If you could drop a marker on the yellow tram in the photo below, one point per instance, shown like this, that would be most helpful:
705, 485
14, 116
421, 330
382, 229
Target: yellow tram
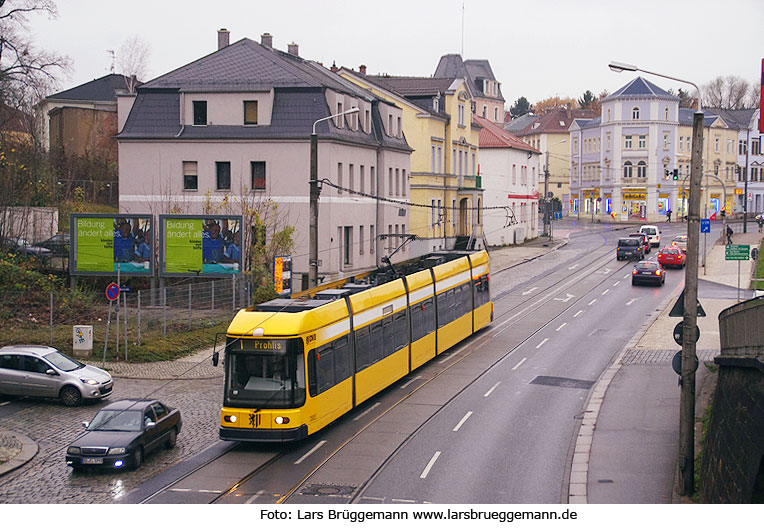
292, 366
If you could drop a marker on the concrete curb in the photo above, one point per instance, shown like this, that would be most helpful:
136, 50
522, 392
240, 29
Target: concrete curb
28, 450
579, 471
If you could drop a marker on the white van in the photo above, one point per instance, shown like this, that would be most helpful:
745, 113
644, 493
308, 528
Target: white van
653, 234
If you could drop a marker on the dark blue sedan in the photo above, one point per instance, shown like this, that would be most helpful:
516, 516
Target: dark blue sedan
122, 433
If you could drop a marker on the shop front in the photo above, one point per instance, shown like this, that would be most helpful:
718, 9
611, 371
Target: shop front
635, 203
664, 204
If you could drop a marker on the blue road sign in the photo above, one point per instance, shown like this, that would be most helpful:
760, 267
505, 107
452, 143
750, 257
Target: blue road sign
112, 291
705, 225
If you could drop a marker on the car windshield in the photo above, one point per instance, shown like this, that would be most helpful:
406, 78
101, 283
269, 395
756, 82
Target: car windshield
63, 362
116, 420
648, 231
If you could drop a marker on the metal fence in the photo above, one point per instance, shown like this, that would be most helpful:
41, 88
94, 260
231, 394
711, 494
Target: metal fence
130, 319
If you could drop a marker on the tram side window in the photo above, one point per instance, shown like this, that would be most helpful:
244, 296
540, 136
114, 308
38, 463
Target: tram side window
325, 368
362, 348
377, 342
388, 335
330, 365
482, 292
401, 331
422, 319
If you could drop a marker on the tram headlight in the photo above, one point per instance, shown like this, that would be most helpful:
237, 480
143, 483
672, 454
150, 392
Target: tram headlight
230, 418
282, 420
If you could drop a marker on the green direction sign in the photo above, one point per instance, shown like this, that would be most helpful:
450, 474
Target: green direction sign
737, 252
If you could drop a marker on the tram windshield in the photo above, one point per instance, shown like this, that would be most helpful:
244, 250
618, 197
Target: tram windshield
265, 373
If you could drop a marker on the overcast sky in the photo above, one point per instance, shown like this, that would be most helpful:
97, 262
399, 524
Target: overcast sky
537, 49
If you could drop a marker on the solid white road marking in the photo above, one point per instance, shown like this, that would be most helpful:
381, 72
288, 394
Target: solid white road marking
491, 390
304, 457
560, 327
464, 419
579, 312
519, 363
368, 410
545, 340
429, 465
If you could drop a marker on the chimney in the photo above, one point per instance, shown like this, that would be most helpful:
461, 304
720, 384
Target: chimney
266, 39
293, 49
362, 68
334, 66
223, 36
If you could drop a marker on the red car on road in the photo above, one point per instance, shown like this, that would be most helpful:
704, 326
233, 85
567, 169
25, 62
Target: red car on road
671, 256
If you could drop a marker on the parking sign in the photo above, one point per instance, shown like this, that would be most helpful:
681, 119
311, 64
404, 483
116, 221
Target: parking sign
705, 225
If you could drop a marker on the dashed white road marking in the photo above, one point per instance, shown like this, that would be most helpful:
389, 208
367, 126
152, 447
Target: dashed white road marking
368, 410
616, 283
579, 312
630, 302
545, 340
491, 390
560, 327
256, 496
464, 419
429, 465
304, 457
519, 363
530, 291
210, 491
592, 302
605, 292
179, 490
627, 276
410, 382
4, 404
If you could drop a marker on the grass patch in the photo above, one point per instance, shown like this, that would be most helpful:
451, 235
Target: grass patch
759, 269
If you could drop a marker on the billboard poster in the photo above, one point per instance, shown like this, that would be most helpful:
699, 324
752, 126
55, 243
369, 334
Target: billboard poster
104, 244
192, 245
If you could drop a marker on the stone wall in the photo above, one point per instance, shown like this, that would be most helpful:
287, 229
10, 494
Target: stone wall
732, 468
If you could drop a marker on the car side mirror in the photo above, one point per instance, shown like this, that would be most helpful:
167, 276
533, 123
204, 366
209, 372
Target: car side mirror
215, 358
85, 424
51, 372
150, 425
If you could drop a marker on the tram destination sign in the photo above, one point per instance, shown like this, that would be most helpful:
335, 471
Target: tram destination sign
737, 252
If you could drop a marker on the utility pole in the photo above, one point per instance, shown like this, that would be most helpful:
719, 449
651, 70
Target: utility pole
547, 222
686, 463
745, 180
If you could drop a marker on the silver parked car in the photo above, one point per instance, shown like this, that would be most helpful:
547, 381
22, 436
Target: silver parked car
33, 370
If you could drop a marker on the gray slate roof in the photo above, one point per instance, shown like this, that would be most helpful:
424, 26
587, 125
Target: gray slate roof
736, 118
686, 117
639, 86
452, 65
247, 66
102, 89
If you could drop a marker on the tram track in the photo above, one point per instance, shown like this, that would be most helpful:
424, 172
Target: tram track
588, 262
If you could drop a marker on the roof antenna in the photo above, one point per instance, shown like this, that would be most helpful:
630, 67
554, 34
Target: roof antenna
462, 52
113, 58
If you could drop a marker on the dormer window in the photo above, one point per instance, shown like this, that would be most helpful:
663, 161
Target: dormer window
200, 112
250, 113
436, 104
635, 113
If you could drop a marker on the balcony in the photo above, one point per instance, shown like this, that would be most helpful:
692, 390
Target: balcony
472, 181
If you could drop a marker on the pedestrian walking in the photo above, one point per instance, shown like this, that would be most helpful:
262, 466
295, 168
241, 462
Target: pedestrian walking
760, 222
729, 235
668, 215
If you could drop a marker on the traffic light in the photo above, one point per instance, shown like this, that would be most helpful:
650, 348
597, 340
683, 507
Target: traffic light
668, 172
676, 174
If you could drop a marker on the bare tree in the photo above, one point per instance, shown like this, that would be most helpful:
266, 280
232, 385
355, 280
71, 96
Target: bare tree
133, 60
26, 73
726, 92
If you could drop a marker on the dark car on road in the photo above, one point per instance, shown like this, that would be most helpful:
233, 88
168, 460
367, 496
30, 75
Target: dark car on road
648, 273
645, 240
122, 433
58, 244
630, 248
20, 245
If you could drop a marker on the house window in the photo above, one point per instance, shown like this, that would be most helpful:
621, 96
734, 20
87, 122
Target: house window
390, 189
666, 113
250, 113
627, 142
681, 143
372, 180
200, 113
642, 142
607, 141
397, 182
339, 177
485, 110
635, 113
440, 159
190, 175
390, 125
351, 177
495, 114
665, 140
223, 172
347, 246
372, 240
404, 183
258, 174
367, 121
362, 178
400, 127
461, 115
433, 159
741, 147
716, 145
641, 169
339, 118
514, 174
433, 213
361, 240
755, 147
608, 115
627, 170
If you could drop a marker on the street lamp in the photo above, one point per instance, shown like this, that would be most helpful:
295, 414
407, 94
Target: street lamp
686, 461
314, 193
547, 217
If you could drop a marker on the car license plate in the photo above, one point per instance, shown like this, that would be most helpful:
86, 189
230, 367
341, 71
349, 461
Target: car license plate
107, 387
92, 460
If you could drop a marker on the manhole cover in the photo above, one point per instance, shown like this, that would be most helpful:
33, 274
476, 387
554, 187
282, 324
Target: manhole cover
337, 491
562, 382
